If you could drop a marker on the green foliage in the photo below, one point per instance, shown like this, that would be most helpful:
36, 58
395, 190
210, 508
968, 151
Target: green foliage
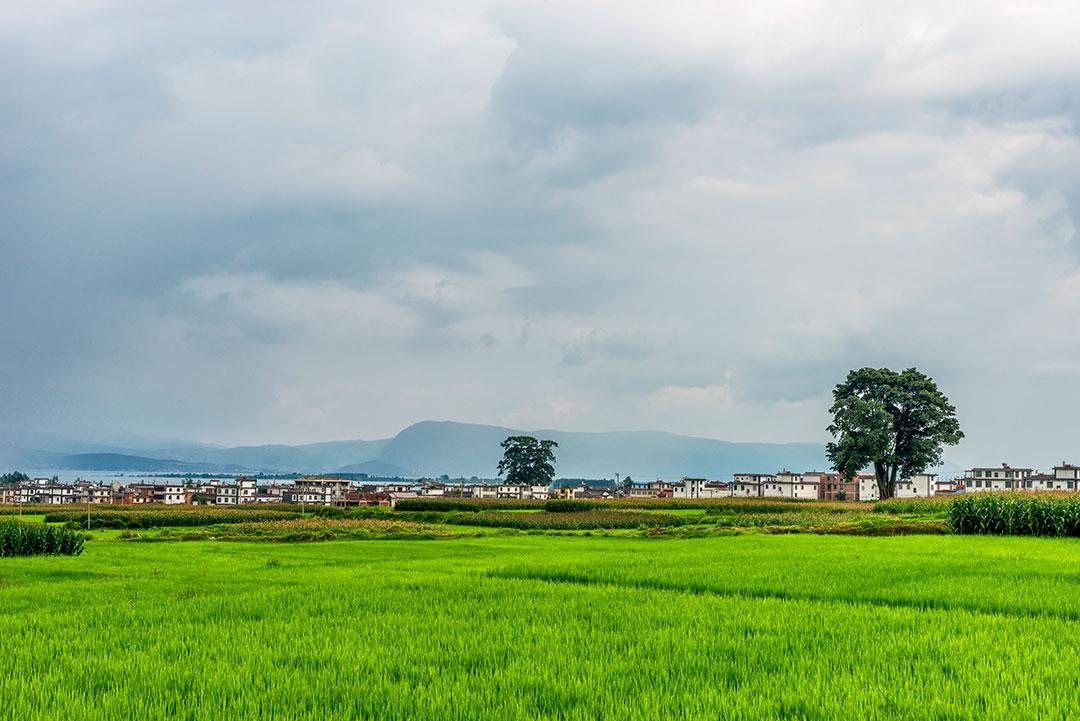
1016, 514
897, 422
10, 479
570, 505
32, 539
933, 506
528, 461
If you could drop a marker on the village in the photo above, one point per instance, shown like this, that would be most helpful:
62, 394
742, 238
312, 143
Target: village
338, 491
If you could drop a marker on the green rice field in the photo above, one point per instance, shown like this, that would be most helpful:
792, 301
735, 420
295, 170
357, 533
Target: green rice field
755, 626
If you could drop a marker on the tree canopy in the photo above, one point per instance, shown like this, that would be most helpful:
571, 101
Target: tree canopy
10, 479
528, 461
897, 422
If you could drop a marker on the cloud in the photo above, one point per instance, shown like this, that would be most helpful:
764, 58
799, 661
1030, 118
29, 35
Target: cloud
248, 223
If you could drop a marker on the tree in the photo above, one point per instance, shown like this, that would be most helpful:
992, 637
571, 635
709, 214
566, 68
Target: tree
528, 461
13, 478
897, 422
628, 483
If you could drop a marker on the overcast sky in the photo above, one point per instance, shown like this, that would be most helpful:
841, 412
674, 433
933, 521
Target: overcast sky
288, 222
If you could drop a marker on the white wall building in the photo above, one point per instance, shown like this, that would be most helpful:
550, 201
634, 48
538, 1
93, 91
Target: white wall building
868, 487
921, 485
750, 484
1000, 478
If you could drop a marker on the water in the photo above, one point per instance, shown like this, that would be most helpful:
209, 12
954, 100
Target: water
109, 477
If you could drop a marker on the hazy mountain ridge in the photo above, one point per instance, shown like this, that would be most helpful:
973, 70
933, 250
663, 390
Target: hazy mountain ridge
431, 448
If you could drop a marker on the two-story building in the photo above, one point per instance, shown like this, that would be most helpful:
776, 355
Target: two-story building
921, 485
750, 484
1000, 478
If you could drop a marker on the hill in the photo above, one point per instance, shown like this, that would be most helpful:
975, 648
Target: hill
431, 448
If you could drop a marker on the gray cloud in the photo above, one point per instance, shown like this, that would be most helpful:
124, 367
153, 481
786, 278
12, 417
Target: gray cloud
251, 223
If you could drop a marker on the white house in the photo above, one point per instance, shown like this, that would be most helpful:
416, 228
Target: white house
227, 495
783, 485
750, 484
921, 485
174, 495
689, 488
1001, 478
868, 487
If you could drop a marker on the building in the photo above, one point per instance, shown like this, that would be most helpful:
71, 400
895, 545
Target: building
868, 487
832, 486
749, 484
784, 484
1066, 474
690, 488
921, 485
1001, 478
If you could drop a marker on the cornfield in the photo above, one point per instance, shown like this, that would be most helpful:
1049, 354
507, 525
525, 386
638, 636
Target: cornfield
1016, 514
32, 539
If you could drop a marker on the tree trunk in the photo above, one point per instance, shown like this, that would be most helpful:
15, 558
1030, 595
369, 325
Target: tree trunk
881, 474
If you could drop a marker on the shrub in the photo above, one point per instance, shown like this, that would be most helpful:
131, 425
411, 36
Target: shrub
557, 505
25, 539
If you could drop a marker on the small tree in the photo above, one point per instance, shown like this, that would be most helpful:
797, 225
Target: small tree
527, 461
628, 483
897, 422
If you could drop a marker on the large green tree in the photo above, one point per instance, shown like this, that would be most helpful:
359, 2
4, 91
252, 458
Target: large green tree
528, 461
897, 422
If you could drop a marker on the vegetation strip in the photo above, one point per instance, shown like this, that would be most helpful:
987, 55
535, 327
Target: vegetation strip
1015, 514
29, 539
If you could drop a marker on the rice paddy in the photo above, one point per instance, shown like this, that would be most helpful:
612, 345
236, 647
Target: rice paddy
755, 626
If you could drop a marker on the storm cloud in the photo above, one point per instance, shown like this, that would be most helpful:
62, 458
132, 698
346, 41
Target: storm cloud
262, 222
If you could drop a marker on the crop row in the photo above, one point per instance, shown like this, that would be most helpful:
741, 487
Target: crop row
1016, 514
746, 505
26, 539
581, 521
158, 518
914, 506
298, 530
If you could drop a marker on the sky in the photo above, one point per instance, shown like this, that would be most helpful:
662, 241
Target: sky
270, 221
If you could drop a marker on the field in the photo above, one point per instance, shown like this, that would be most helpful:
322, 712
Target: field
519, 626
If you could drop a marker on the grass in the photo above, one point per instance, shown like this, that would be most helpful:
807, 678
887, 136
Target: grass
529, 627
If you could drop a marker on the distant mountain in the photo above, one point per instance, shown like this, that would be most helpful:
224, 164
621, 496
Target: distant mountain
116, 462
432, 448
380, 469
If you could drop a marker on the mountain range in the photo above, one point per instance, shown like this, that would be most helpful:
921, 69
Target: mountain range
427, 449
